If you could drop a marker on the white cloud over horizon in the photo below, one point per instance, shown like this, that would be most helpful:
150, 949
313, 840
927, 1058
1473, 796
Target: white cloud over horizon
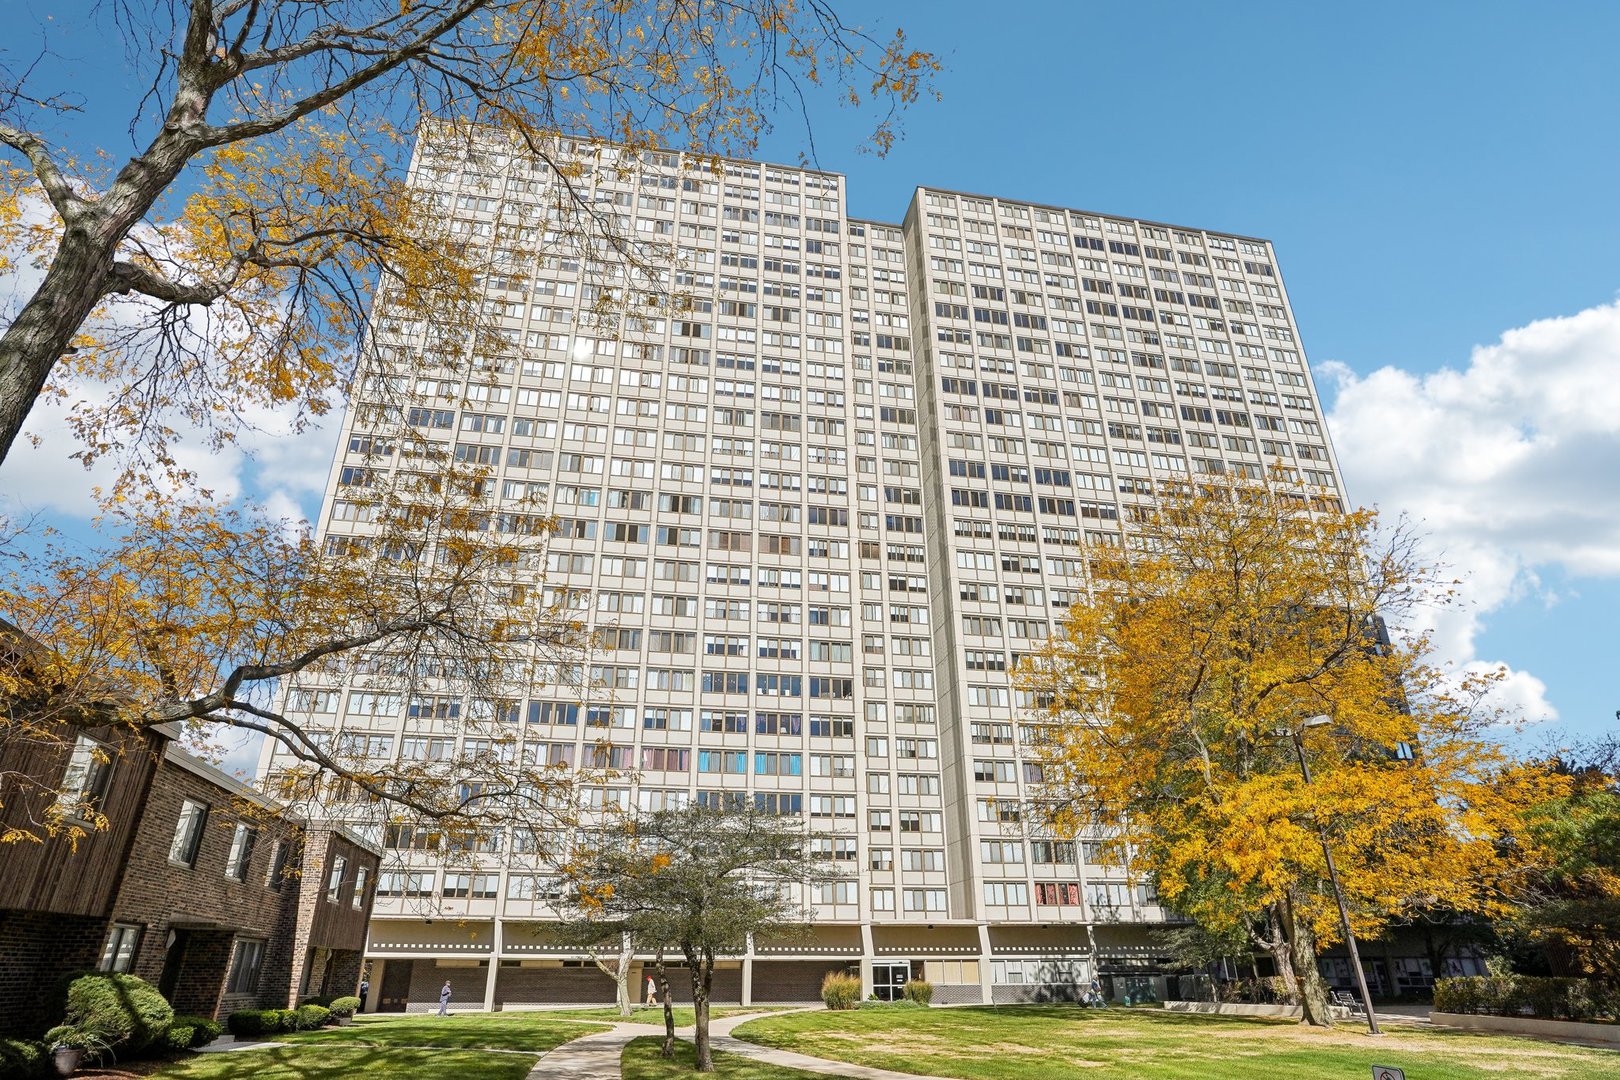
1510, 465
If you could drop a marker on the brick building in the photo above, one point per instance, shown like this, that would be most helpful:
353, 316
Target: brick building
218, 896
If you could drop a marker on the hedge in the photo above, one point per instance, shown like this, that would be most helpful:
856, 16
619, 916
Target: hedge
250, 1022
127, 1012
25, 1059
190, 1032
1521, 995
310, 1017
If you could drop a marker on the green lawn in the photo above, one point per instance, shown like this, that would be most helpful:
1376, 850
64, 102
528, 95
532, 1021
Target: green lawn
396, 1046
641, 1061
639, 1015
533, 1032
1052, 1042
348, 1063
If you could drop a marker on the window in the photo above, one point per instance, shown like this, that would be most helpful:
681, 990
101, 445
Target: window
278, 865
84, 782
118, 954
242, 841
334, 880
188, 833
245, 964
360, 876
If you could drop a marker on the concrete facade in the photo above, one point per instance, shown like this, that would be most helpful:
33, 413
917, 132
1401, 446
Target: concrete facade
825, 510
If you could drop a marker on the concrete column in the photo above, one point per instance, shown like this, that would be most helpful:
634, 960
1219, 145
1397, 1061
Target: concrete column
986, 991
868, 954
374, 991
494, 967
748, 972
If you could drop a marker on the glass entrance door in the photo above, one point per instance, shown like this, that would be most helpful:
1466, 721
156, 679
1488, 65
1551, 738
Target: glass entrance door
889, 979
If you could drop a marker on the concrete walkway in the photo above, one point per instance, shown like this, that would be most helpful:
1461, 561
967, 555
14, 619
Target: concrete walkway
590, 1057
596, 1057
721, 1038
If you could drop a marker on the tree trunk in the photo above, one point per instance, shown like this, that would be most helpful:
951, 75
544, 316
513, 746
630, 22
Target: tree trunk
1312, 991
621, 976
1275, 943
669, 1008
702, 982
46, 326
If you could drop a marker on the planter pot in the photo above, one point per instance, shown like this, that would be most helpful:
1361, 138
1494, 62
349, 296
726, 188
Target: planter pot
67, 1060
343, 1021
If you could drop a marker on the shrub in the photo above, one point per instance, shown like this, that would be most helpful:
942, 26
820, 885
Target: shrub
190, 1032
345, 1006
310, 1017
127, 1013
246, 1023
1457, 995
25, 1059
323, 1000
919, 990
1515, 995
901, 1003
840, 990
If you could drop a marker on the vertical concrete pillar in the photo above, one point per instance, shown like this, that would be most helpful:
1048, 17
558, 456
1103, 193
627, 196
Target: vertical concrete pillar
494, 967
986, 985
748, 972
868, 954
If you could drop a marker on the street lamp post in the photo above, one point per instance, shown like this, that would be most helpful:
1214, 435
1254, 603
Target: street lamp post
1333, 877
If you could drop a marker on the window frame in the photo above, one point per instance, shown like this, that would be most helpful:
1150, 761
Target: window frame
113, 957
186, 845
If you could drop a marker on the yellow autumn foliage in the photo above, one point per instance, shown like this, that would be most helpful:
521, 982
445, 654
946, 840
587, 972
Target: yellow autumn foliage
1167, 705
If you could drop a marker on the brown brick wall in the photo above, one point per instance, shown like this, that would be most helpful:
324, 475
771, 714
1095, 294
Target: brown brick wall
37, 950
200, 900
191, 917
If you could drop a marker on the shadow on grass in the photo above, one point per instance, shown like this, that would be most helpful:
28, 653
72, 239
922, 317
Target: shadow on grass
349, 1063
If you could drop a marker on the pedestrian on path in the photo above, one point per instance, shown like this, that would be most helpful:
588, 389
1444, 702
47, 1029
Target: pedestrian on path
444, 999
652, 992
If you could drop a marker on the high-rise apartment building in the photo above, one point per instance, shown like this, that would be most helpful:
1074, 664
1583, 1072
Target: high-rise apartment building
824, 511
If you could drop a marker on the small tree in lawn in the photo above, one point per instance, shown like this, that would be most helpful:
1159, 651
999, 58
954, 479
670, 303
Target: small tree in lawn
1170, 701
701, 880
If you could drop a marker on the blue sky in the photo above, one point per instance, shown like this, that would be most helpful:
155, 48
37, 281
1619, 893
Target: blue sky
1434, 176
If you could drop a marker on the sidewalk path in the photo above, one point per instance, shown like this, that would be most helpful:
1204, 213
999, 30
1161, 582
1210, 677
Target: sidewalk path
589, 1057
721, 1038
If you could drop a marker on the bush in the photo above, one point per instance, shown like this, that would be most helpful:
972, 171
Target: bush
901, 1003
1457, 995
323, 1000
919, 990
190, 1032
25, 1059
247, 1023
310, 1017
345, 1006
127, 1013
840, 990
1516, 995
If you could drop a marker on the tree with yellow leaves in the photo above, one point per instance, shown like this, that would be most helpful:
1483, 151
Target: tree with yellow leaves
1168, 705
217, 620
228, 263
263, 250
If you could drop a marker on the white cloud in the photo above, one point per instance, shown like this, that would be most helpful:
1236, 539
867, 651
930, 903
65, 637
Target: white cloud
271, 462
1508, 464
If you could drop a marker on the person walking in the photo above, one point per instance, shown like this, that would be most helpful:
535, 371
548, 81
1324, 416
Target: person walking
444, 999
365, 990
652, 992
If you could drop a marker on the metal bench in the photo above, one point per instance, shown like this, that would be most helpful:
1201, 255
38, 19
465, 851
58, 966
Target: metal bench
1346, 999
